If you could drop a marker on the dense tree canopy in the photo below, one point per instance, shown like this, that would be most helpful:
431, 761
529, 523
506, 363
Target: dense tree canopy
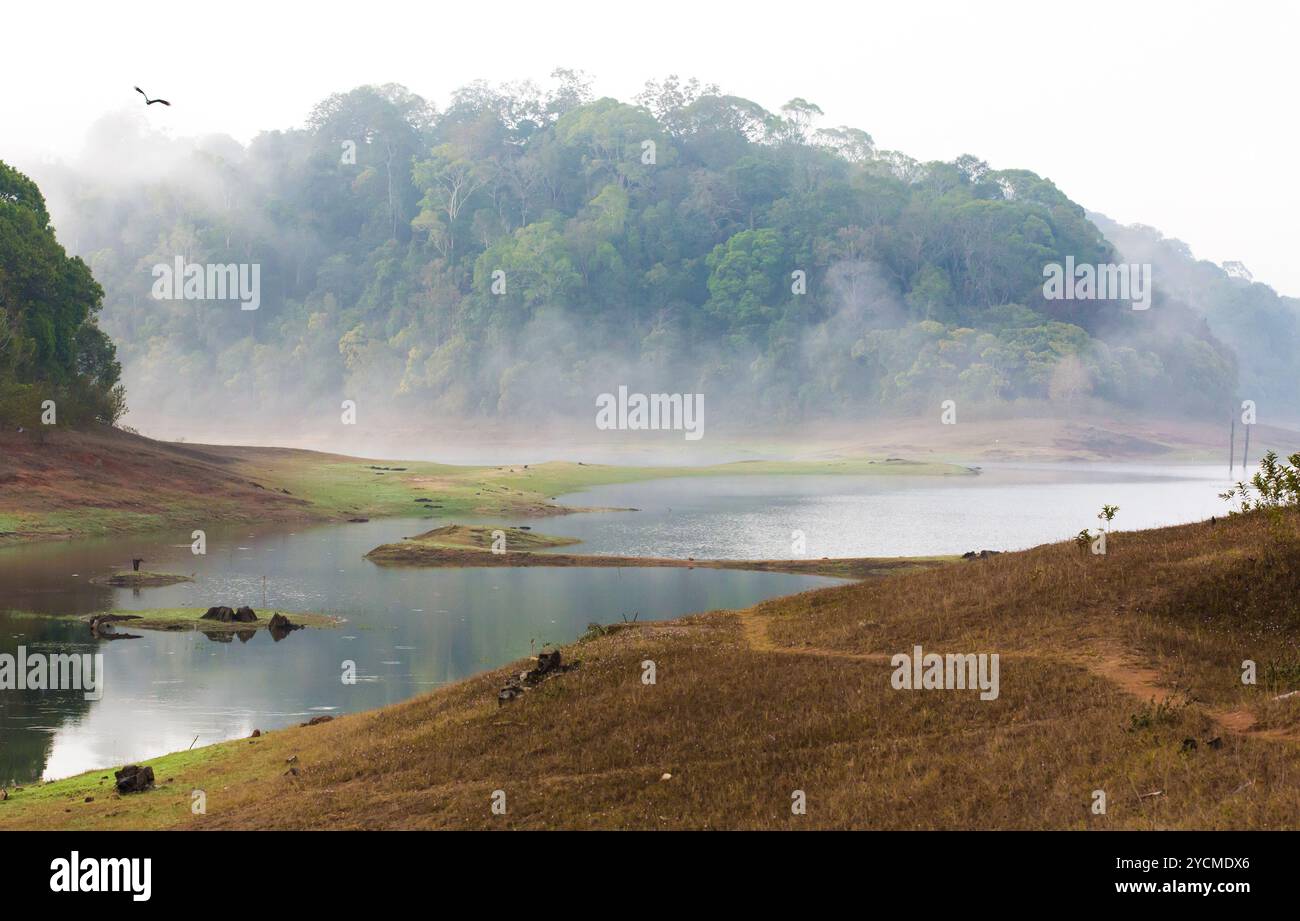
50, 347
522, 250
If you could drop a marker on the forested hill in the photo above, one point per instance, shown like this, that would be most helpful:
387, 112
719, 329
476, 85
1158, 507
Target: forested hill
520, 251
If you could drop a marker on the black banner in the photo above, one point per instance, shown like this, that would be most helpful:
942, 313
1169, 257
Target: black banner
145, 871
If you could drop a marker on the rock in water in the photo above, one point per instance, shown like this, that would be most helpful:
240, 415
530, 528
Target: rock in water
245, 615
223, 614
134, 779
280, 626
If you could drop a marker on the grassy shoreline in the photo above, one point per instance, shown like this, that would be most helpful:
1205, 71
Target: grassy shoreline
87, 484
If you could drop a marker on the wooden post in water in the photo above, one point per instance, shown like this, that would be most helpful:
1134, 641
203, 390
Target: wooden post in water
1232, 441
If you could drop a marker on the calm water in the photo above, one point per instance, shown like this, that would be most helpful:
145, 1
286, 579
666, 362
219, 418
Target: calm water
1004, 508
408, 630
411, 630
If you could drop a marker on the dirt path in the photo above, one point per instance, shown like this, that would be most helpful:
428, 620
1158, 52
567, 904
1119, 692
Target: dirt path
1110, 662
1124, 671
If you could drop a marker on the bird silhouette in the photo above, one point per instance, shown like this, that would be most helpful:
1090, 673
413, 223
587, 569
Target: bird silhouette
148, 101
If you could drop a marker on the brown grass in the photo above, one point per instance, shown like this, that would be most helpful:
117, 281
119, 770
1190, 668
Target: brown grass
1108, 665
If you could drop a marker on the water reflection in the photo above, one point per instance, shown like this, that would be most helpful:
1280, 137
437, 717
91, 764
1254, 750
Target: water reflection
407, 631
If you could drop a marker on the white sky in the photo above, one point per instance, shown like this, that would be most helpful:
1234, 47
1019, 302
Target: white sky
1181, 115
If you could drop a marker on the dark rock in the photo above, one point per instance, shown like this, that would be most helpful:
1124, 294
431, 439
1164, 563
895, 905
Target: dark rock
547, 661
245, 615
316, 721
509, 692
222, 614
1189, 745
134, 779
280, 626
979, 554
1215, 743
548, 666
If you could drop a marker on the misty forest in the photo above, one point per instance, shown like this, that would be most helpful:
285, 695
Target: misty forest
685, 240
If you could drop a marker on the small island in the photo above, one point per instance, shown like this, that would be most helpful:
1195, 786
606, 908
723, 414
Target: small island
136, 579
174, 619
455, 546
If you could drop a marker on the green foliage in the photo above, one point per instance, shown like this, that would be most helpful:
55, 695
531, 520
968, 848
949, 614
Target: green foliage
1153, 714
744, 279
1275, 486
1281, 675
50, 346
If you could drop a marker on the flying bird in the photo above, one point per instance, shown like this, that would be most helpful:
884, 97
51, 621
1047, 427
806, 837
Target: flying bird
148, 101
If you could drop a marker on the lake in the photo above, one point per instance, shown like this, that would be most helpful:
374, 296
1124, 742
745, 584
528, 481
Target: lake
412, 630
1005, 507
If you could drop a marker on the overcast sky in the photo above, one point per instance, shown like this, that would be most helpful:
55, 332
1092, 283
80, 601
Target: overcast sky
1180, 115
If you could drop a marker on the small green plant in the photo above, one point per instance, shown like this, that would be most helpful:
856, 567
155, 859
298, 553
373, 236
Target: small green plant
1276, 485
1282, 676
1083, 539
1107, 514
1153, 714
596, 631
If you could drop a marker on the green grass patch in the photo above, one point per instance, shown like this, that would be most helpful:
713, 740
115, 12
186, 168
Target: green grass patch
133, 579
189, 619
